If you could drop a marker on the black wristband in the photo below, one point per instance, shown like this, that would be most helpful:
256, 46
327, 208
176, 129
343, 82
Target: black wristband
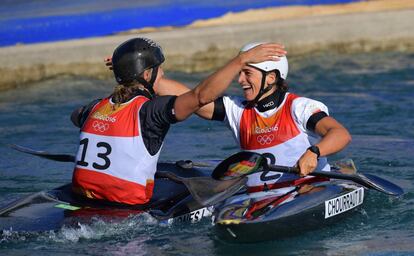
315, 149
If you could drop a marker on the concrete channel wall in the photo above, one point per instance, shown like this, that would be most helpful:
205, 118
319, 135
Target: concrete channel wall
206, 48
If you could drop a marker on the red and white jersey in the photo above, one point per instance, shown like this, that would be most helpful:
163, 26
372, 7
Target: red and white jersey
281, 132
112, 161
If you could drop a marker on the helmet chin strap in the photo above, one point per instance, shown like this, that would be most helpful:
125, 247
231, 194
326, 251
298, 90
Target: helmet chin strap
262, 90
149, 85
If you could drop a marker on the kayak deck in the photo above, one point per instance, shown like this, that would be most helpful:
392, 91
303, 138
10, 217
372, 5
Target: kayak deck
50, 210
274, 215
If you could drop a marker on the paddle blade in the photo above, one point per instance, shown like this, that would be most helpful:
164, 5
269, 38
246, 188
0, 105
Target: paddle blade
346, 166
44, 154
367, 180
208, 191
238, 165
382, 185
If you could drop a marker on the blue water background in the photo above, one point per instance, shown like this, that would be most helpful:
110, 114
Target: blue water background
371, 94
23, 21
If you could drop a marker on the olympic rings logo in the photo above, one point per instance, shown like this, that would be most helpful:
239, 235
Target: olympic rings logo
265, 139
100, 126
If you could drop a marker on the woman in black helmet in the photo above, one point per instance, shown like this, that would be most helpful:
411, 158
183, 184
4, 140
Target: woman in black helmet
122, 135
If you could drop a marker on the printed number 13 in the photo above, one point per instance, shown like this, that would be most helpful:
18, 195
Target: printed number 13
103, 156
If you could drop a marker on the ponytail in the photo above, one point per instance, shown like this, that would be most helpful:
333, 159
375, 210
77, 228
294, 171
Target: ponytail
123, 93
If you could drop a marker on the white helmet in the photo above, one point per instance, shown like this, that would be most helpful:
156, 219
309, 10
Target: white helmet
281, 64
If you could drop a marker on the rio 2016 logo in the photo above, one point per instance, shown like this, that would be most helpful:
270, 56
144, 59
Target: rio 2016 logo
259, 130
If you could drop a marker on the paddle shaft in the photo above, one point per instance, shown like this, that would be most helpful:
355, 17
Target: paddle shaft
295, 170
390, 189
66, 158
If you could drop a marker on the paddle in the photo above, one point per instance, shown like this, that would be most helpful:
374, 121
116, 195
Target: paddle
205, 190
70, 158
44, 154
243, 163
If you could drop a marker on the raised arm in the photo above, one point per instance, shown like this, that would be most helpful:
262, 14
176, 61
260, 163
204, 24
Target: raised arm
200, 99
214, 86
172, 87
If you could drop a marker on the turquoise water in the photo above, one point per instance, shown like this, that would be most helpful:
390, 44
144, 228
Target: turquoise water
371, 94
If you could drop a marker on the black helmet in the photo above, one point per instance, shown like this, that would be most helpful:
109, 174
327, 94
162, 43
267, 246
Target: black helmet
132, 57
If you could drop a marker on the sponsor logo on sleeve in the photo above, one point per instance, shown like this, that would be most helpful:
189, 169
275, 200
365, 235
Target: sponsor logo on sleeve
344, 203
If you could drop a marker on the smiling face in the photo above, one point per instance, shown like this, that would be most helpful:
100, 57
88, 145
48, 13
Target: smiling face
250, 80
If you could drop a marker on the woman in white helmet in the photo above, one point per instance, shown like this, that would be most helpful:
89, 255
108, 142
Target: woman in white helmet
289, 129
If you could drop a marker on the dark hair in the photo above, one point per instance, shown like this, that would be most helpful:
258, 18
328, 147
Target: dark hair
123, 93
281, 83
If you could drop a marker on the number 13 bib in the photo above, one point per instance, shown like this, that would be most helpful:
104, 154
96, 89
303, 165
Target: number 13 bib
112, 162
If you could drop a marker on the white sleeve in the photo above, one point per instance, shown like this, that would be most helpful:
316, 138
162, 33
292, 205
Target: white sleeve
234, 109
303, 108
